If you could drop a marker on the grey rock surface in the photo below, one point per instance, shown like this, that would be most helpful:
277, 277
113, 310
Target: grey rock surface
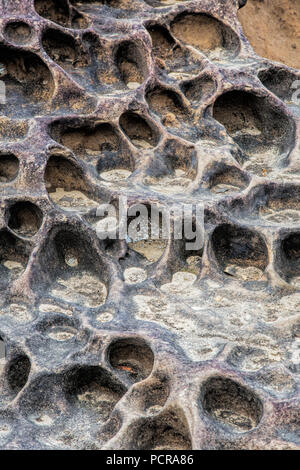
143, 344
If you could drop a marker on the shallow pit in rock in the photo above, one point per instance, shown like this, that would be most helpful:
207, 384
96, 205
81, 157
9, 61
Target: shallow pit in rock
231, 404
132, 358
18, 32
263, 131
207, 34
138, 130
25, 218
66, 185
240, 252
9, 167
28, 82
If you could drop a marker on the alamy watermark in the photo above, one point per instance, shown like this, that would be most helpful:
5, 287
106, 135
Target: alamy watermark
2, 92
2, 352
149, 222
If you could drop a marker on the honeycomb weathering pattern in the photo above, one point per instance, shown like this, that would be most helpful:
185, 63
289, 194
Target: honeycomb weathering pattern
146, 345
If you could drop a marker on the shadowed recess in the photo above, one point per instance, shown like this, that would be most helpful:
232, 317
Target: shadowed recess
272, 203
132, 358
231, 404
151, 396
62, 48
138, 130
71, 268
168, 431
54, 10
240, 252
162, 41
17, 373
207, 34
131, 63
66, 185
179, 62
28, 81
258, 127
281, 82
93, 390
25, 218
90, 141
289, 261
18, 32
14, 255
9, 167
168, 105
225, 179
200, 89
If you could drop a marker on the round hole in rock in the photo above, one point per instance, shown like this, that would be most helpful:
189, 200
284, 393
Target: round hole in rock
168, 431
205, 33
89, 141
116, 166
25, 218
255, 125
18, 32
179, 62
177, 169
168, 105
66, 185
9, 168
79, 21
93, 390
227, 179
28, 82
76, 274
290, 258
279, 81
274, 203
200, 89
131, 64
240, 252
14, 254
60, 47
231, 404
43, 401
54, 10
69, 251
18, 372
147, 232
132, 357
162, 41
138, 130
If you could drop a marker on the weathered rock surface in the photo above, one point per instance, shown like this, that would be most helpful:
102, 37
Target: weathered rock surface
147, 345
